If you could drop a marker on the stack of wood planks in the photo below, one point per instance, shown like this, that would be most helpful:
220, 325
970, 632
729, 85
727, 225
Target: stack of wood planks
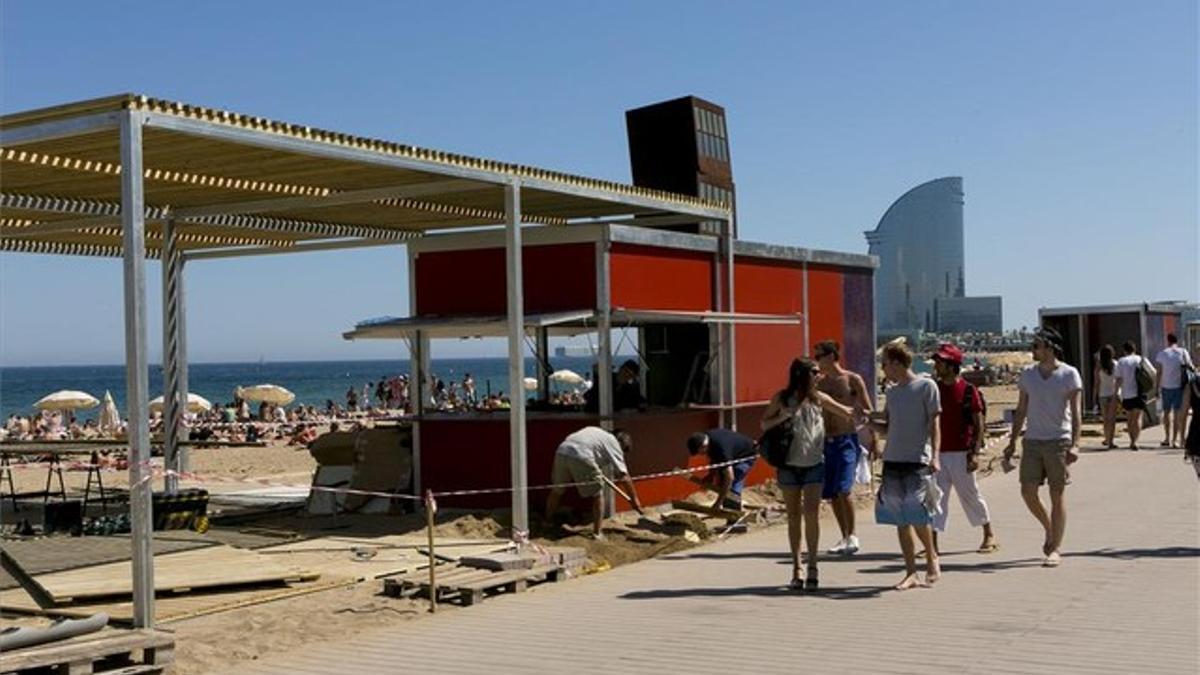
188, 582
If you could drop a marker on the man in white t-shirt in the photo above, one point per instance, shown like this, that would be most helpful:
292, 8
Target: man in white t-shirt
1171, 362
1049, 401
1131, 399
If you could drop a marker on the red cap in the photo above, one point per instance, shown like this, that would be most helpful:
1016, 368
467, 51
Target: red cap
949, 353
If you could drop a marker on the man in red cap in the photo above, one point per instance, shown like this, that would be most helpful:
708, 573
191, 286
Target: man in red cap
962, 431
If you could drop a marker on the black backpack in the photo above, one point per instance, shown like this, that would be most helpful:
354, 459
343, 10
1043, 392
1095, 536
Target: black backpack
775, 442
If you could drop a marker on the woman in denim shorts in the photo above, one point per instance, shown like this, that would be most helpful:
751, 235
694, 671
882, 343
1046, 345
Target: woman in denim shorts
800, 405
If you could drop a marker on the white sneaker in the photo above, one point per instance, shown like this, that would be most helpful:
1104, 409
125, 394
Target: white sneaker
838, 548
851, 545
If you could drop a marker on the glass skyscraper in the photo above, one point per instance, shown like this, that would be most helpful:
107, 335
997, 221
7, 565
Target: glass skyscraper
919, 242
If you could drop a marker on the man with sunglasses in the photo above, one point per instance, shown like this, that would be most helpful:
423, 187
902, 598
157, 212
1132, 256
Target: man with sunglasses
1049, 401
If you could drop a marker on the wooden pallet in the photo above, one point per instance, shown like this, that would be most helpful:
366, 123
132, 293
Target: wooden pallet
109, 651
469, 585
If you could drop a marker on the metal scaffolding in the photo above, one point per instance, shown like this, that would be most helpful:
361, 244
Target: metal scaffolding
136, 178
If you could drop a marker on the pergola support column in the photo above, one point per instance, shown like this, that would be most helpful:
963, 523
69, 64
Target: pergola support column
136, 385
175, 375
730, 341
604, 380
516, 359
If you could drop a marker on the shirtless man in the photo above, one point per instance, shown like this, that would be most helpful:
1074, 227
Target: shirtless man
841, 440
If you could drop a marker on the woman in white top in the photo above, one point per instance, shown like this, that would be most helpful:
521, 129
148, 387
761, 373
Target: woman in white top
1104, 381
800, 405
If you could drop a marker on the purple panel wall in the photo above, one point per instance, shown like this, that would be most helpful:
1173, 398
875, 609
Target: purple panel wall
858, 350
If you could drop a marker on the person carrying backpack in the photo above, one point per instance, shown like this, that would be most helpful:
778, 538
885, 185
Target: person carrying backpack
963, 436
1135, 388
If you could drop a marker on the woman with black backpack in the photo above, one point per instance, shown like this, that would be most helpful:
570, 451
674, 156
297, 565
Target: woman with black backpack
1191, 401
794, 443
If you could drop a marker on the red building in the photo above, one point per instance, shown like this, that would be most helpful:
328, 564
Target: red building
671, 288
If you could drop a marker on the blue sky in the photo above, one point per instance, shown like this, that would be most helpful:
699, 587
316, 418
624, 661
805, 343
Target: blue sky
1074, 125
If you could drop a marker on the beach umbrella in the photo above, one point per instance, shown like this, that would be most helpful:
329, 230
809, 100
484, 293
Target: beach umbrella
567, 377
271, 393
110, 419
531, 383
67, 399
195, 404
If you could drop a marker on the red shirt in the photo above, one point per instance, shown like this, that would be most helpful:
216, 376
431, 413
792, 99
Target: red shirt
957, 434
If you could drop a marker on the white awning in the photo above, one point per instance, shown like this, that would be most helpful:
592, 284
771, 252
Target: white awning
559, 324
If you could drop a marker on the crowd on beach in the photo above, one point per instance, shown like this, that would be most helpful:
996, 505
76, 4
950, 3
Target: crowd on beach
818, 430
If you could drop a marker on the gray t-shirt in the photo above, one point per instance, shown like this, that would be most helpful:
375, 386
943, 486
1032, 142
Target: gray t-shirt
910, 408
1048, 417
596, 445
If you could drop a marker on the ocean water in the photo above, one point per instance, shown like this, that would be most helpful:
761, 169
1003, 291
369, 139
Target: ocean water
313, 382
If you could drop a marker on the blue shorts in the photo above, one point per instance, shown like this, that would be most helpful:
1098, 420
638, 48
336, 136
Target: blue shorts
902, 495
799, 476
1172, 399
841, 459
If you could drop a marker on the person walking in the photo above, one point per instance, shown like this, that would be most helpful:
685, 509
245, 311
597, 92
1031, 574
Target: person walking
1133, 401
1049, 402
1172, 363
1191, 401
912, 455
962, 433
802, 473
842, 447
1104, 378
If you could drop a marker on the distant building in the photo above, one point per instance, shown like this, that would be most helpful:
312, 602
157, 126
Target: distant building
978, 314
919, 242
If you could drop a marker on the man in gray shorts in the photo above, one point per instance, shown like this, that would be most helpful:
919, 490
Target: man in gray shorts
1049, 401
587, 457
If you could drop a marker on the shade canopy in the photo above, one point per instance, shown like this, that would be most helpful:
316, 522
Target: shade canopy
243, 182
67, 399
268, 393
195, 404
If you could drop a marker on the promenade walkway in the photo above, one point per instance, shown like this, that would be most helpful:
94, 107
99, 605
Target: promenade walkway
1125, 600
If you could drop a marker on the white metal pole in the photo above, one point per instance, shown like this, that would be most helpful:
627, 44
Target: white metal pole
516, 359
731, 339
138, 433
603, 381
174, 388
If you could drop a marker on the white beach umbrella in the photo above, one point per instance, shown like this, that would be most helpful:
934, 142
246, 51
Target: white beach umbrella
195, 404
271, 393
110, 418
568, 377
531, 383
67, 399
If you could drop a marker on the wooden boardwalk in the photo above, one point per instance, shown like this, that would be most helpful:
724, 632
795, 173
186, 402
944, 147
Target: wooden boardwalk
1125, 600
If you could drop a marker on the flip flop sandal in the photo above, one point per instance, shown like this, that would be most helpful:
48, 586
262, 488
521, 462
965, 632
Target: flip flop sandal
811, 583
797, 584
990, 548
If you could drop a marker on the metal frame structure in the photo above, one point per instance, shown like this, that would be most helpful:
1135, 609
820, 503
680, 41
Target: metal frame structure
107, 178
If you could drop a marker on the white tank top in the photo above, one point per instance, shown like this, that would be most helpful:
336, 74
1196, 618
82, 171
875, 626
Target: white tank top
808, 437
1108, 382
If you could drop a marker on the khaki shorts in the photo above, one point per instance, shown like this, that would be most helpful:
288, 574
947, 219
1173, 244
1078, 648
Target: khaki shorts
572, 469
1043, 461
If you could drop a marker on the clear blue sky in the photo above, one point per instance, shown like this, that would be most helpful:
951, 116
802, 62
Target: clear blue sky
1074, 125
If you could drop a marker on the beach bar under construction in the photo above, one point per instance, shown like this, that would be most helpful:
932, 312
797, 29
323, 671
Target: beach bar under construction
704, 362
136, 178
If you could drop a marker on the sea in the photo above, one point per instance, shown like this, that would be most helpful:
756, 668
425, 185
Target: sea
313, 382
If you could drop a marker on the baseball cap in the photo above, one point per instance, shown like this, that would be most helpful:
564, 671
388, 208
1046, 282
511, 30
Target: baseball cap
949, 353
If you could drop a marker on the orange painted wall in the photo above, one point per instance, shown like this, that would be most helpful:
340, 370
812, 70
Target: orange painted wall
646, 277
825, 304
763, 352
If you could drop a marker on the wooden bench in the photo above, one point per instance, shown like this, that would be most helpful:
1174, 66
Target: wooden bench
109, 651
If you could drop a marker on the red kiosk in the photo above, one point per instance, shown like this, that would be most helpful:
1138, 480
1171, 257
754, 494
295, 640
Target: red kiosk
703, 365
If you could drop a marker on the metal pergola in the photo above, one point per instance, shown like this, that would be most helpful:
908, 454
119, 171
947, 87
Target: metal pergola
135, 177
